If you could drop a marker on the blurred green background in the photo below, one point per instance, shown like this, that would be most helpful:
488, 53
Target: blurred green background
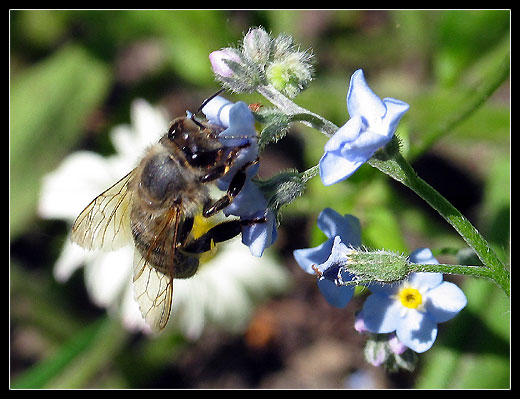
73, 76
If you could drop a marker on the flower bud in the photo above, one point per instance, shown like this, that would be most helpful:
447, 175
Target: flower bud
282, 188
376, 351
218, 61
257, 46
380, 351
290, 74
381, 266
396, 346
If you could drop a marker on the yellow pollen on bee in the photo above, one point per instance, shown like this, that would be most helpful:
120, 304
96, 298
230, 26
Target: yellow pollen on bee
410, 297
201, 225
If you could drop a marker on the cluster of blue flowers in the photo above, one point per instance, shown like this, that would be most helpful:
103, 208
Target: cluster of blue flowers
408, 310
411, 308
250, 203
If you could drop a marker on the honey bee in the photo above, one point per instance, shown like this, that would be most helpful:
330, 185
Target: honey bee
156, 205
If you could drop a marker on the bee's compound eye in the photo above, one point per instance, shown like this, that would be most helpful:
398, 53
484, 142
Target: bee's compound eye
174, 129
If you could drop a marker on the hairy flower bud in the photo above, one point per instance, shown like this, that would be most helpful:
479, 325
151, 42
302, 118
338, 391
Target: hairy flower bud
219, 61
381, 266
291, 73
257, 46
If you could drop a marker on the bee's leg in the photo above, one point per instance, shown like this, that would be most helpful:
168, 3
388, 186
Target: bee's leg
235, 186
224, 166
221, 232
185, 229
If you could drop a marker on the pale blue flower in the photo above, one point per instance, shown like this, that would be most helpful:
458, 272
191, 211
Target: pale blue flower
413, 308
343, 232
372, 125
239, 124
250, 203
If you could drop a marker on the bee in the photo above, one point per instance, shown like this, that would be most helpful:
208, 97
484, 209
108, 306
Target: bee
156, 204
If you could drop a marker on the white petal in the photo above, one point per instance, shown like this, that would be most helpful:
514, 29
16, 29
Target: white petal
72, 257
108, 274
149, 123
77, 181
129, 310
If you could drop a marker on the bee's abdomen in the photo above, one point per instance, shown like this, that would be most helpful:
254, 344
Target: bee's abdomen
157, 245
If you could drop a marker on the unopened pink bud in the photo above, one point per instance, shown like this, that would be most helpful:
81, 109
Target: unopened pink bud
218, 64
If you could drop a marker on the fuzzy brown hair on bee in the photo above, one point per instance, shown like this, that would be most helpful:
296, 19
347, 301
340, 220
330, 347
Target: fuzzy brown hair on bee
155, 205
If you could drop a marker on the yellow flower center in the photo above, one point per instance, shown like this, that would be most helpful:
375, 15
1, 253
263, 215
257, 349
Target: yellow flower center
410, 297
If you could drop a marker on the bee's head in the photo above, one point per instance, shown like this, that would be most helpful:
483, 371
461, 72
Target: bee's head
181, 128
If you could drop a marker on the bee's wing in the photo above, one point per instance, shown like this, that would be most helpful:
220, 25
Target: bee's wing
105, 222
152, 291
153, 284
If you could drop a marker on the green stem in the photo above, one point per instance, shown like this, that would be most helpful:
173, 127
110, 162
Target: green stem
310, 173
301, 114
399, 169
474, 271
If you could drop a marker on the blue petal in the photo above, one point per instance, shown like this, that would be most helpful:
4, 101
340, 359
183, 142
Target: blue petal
241, 125
248, 202
381, 314
384, 288
260, 236
417, 331
444, 302
307, 257
365, 145
361, 100
346, 227
347, 133
217, 111
425, 281
338, 296
395, 109
423, 256
334, 167
338, 258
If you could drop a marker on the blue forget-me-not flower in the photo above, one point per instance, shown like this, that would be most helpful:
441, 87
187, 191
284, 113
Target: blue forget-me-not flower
343, 232
371, 126
250, 203
413, 308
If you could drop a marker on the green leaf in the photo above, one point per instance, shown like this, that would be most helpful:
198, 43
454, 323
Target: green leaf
463, 36
40, 374
50, 103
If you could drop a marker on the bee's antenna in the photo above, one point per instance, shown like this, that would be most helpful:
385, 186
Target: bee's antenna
204, 103
207, 100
